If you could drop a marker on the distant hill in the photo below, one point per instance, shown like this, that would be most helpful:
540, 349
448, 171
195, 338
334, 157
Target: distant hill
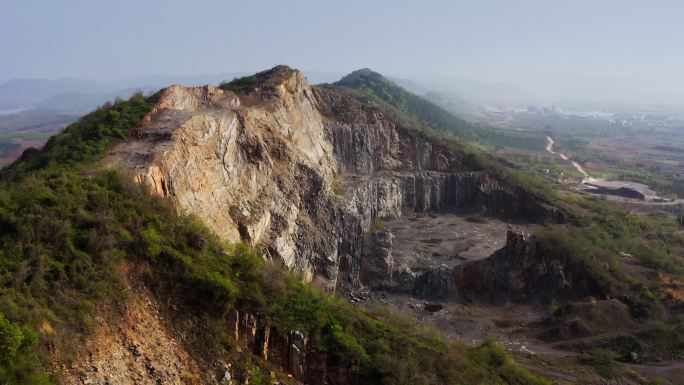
410, 85
450, 101
29, 92
429, 114
83, 246
84, 102
478, 92
43, 121
73, 93
366, 80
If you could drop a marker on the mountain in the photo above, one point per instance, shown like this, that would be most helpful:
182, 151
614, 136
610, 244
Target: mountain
309, 158
79, 94
450, 101
270, 231
430, 115
263, 168
409, 85
84, 102
411, 104
28, 92
82, 93
479, 92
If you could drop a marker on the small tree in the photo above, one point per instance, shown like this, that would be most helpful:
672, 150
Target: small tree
10, 339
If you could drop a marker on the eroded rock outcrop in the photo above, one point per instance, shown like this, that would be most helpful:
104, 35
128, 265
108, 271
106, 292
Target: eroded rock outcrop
132, 345
377, 262
524, 272
256, 170
520, 272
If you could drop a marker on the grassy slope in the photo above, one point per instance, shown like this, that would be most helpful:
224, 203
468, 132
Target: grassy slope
67, 226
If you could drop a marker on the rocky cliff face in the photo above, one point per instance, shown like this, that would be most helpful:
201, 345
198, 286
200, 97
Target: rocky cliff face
300, 173
520, 272
390, 169
257, 169
523, 272
293, 350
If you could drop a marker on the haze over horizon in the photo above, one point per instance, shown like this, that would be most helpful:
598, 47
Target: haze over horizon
622, 51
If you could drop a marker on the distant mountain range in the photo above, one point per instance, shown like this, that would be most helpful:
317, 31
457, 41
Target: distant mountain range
38, 108
82, 95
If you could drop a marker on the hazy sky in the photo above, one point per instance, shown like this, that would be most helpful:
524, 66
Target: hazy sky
498, 40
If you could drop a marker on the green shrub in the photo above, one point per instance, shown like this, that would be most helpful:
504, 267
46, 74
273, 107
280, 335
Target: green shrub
344, 346
603, 361
11, 339
491, 354
18, 363
239, 85
494, 357
377, 226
